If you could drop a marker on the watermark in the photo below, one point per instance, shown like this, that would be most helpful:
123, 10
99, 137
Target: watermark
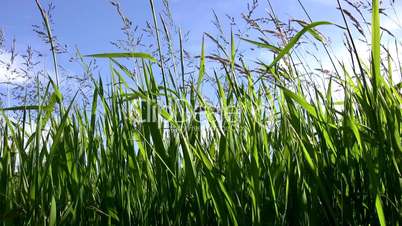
180, 111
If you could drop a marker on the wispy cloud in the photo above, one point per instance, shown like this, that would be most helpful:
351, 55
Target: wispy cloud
10, 72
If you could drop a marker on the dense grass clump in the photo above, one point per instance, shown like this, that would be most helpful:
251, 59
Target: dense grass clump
269, 154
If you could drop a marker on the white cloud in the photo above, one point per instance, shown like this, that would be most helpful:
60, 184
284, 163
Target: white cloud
10, 72
392, 22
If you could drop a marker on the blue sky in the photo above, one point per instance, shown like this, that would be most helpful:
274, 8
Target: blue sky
92, 24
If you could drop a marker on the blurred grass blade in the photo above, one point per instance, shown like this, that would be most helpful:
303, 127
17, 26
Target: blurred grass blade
123, 55
300, 100
22, 108
380, 211
52, 216
376, 42
202, 66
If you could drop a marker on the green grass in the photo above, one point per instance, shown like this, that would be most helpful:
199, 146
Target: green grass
286, 155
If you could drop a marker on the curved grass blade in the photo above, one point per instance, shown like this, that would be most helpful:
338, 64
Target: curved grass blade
295, 39
262, 45
123, 55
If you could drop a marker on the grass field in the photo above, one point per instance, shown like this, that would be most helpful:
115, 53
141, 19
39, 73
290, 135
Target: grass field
271, 153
